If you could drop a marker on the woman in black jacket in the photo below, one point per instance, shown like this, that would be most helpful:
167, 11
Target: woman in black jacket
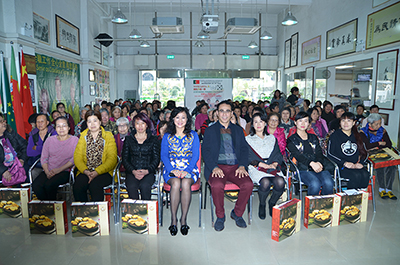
19, 145
305, 148
346, 149
140, 157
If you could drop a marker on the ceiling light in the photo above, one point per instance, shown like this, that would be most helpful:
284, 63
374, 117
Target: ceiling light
135, 34
144, 44
203, 35
289, 20
266, 35
199, 44
252, 45
119, 18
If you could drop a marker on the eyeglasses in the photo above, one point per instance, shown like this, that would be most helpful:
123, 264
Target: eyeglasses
224, 111
62, 126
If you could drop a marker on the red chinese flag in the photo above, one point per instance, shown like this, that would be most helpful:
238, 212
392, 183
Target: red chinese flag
16, 97
25, 95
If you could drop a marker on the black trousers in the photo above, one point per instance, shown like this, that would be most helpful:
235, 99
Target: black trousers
46, 189
386, 176
95, 187
144, 185
358, 178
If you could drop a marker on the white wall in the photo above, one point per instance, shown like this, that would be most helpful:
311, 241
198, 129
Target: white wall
322, 16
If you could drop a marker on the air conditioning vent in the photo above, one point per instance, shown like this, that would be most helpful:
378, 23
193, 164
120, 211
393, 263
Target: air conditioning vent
241, 26
167, 25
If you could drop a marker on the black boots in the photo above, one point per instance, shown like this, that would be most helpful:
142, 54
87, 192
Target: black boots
272, 201
262, 195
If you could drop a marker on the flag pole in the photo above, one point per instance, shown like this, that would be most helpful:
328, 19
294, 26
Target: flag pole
4, 107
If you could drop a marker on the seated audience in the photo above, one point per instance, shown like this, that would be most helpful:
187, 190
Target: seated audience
316, 123
346, 149
286, 122
375, 137
265, 159
81, 126
273, 121
335, 123
106, 123
294, 97
35, 142
327, 114
95, 158
305, 148
12, 146
116, 113
225, 154
57, 158
140, 157
180, 152
71, 122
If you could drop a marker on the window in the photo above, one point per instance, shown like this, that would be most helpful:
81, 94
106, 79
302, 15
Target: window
255, 88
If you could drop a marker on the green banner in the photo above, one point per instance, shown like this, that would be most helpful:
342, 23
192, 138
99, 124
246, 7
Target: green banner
58, 81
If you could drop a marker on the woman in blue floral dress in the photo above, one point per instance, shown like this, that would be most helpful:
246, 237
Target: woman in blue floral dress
180, 153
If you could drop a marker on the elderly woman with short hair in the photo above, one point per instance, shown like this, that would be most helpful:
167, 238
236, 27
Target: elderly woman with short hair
123, 131
376, 137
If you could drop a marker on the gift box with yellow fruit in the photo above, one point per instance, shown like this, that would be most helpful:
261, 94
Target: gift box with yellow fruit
286, 219
48, 217
90, 219
321, 211
140, 217
353, 206
14, 202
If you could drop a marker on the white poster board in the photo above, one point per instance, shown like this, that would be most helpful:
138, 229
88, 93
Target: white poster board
212, 91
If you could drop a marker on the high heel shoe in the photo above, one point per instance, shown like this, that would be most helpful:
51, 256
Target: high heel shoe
185, 229
173, 230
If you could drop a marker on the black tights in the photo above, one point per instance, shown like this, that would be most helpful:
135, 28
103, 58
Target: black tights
278, 182
265, 186
180, 193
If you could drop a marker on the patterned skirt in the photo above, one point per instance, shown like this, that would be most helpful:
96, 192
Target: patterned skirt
181, 164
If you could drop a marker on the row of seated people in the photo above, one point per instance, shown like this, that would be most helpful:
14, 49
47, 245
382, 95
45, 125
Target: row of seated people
95, 156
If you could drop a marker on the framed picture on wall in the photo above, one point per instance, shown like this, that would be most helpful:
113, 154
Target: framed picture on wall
376, 3
382, 28
41, 28
92, 90
67, 36
385, 86
385, 118
287, 52
342, 39
97, 54
294, 50
311, 50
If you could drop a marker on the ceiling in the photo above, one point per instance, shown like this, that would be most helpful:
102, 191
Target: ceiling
177, 6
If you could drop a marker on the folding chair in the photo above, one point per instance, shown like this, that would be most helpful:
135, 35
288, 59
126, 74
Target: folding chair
111, 187
196, 187
65, 188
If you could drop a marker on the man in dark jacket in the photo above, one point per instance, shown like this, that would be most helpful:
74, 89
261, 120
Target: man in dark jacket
225, 153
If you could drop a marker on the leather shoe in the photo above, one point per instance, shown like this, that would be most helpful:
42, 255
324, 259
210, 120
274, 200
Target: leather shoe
219, 224
173, 230
240, 222
185, 229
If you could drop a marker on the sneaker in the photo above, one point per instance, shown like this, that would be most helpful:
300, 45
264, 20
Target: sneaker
219, 224
384, 195
239, 220
391, 195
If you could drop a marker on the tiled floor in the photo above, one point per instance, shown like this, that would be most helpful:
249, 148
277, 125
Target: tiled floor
376, 241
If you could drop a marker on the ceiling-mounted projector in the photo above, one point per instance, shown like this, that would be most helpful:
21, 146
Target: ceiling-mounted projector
210, 23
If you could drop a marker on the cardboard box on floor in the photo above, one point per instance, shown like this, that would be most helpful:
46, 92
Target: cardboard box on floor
48, 217
286, 219
90, 219
321, 211
353, 206
14, 202
140, 217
